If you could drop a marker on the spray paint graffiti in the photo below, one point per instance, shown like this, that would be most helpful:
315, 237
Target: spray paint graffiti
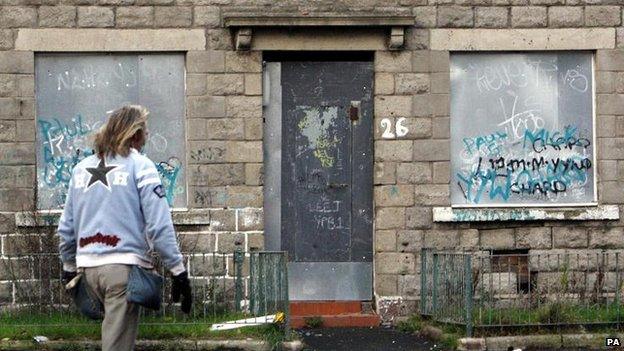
552, 163
315, 126
65, 143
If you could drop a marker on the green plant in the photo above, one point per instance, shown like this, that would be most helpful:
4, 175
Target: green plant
413, 324
313, 322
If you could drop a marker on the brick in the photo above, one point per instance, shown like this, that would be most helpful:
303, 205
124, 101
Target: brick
254, 128
255, 242
196, 84
27, 108
534, 238
422, 105
432, 150
491, 17
231, 242
17, 62
395, 263
222, 220
95, 17
394, 195
16, 177
603, 16
384, 173
440, 105
7, 131
565, 16
25, 130
414, 173
21, 244
17, 153
18, 17
608, 170
219, 39
393, 150
206, 106
250, 219
17, 199
15, 269
441, 172
611, 148
384, 83
469, 239
390, 218
440, 83
605, 82
197, 243
385, 241
610, 60
135, 17
606, 126
441, 128
432, 194
173, 16
7, 40
569, 237
197, 129
418, 217
425, 16
243, 106
409, 241
57, 16
226, 84
217, 174
417, 39
6, 293
243, 151
244, 196
393, 61
254, 174
417, 128
441, 239
528, 16
386, 284
606, 238
243, 61
253, 84
455, 16
412, 83
497, 238
389, 106
440, 61
7, 222
26, 85
225, 129
421, 61
610, 192
409, 286
207, 16
205, 61
207, 265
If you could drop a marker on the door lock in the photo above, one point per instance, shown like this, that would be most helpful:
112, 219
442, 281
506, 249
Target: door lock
354, 111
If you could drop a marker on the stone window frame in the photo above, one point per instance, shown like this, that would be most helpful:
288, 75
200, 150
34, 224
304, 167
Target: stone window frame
53, 40
501, 40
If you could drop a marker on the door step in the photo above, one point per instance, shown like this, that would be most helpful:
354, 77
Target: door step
331, 314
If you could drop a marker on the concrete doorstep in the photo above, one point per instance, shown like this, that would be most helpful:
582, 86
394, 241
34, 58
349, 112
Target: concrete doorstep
152, 345
552, 341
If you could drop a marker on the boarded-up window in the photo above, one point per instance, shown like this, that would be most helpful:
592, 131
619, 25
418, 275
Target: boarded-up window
76, 92
522, 129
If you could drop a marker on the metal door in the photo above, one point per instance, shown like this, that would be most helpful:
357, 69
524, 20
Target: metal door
326, 176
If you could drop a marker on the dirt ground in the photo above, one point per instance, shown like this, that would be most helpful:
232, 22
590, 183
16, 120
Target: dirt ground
362, 339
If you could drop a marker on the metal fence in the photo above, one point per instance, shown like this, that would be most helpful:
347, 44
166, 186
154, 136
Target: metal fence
482, 290
225, 286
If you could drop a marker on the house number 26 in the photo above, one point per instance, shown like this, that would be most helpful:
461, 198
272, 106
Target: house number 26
400, 129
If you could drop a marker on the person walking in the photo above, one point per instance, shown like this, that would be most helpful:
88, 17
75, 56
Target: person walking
116, 214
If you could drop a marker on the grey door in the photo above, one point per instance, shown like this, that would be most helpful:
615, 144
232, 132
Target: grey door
326, 178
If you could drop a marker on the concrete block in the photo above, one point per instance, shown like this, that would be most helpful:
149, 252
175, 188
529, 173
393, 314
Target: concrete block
207, 16
534, 238
412, 83
16, 62
243, 106
410, 241
384, 173
57, 16
497, 238
569, 237
205, 61
206, 106
606, 238
395, 263
528, 16
432, 150
384, 83
425, 16
250, 219
565, 16
254, 174
196, 84
241, 61
441, 239
393, 150
385, 241
432, 194
603, 16
135, 17
243, 151
253, 84
393, 61
393, 106
216, 174
418, 217
18, 17
390, 218
455, 16
225, 129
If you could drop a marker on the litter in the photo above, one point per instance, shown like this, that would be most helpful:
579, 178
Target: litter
249, 322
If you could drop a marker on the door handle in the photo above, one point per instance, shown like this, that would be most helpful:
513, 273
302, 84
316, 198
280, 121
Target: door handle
337, 185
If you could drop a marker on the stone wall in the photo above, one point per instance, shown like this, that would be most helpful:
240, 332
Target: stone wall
224, 115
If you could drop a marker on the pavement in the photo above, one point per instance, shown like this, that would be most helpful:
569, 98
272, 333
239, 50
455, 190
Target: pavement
362, 339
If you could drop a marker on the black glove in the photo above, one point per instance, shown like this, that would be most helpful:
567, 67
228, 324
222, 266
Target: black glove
182, 287
67, 276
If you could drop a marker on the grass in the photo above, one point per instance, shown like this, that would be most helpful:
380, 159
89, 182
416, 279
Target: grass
58, 326
448, 340
553, 313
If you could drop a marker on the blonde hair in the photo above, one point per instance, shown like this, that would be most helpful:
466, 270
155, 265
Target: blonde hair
118, 134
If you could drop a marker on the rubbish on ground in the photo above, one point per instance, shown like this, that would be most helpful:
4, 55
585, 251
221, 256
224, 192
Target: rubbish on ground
249, 322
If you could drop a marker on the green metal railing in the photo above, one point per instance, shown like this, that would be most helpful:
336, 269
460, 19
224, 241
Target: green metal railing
225, 286
481, 291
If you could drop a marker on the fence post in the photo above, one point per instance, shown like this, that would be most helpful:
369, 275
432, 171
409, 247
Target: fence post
468, 292
434, 286
239, 257
423, 280
285, 284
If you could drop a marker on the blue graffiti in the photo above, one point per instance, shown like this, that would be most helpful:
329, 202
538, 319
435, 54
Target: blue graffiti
169, 172
486, 144
542, 139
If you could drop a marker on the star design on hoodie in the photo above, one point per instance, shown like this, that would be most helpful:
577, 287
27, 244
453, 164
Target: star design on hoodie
99, 174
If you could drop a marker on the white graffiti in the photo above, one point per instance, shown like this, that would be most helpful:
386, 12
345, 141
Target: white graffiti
399, 131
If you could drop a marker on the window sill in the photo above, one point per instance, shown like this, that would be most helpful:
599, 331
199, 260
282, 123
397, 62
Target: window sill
181, 216
593, 213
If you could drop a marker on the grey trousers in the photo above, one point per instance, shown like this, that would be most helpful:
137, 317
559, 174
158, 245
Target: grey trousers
121, 318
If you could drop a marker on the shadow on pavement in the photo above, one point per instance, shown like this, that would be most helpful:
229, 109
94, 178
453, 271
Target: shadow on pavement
362, 339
